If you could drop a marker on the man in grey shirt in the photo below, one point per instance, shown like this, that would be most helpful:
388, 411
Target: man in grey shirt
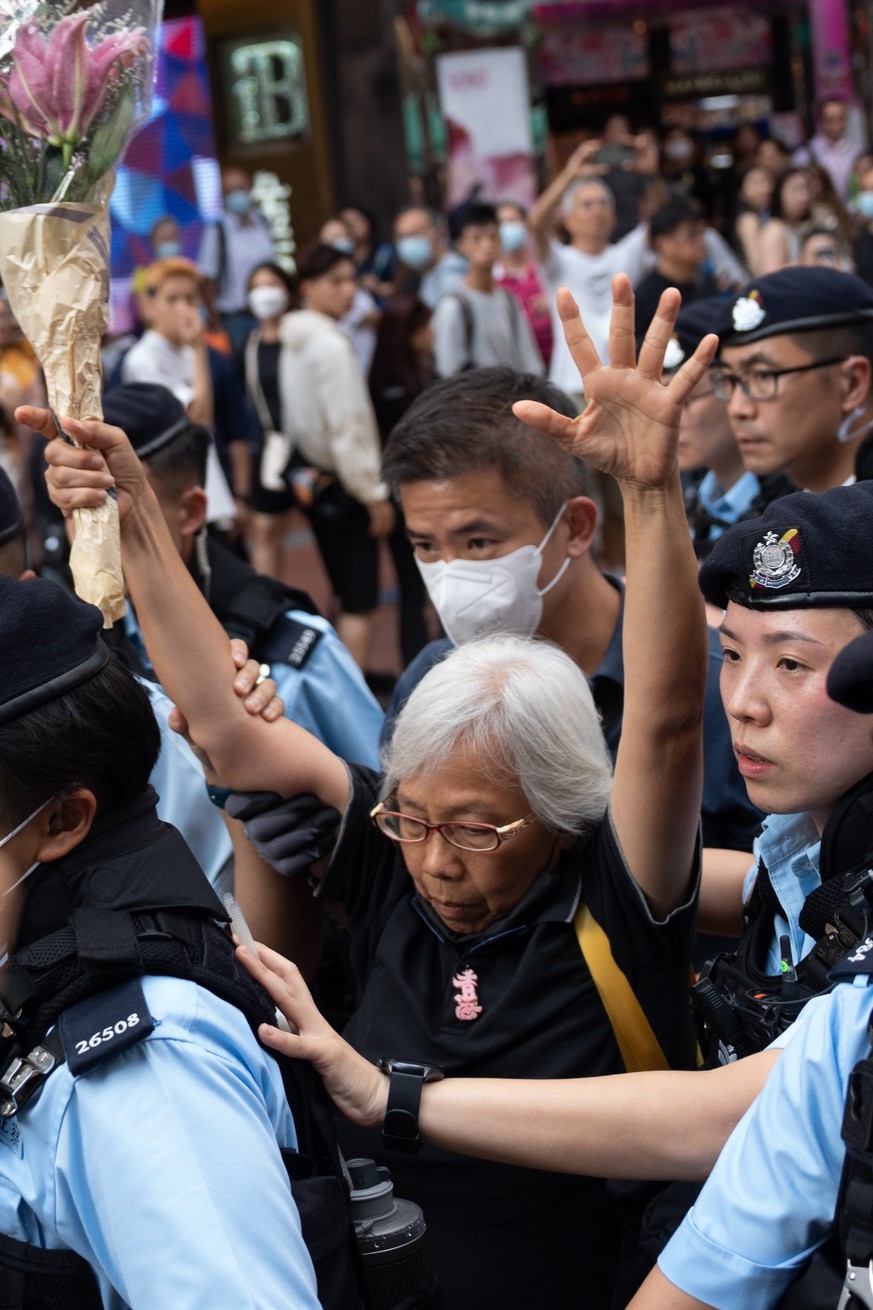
478, 324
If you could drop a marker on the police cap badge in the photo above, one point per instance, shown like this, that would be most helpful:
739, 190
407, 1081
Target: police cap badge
796, 299
804, 551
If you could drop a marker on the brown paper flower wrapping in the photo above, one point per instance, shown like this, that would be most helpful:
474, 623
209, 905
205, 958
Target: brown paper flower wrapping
54, 261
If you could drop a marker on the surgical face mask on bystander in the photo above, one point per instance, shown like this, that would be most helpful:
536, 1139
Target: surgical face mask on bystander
415, 251
512, 236
268, 302
476, 598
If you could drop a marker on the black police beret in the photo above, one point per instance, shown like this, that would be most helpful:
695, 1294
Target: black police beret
796, 300
850, 678
695, 321
11, 521
149, 414
804, 552
49, 643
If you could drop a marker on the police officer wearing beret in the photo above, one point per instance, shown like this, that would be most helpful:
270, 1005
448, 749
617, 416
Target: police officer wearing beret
140, 1122
796, 350
797, 587
177, 776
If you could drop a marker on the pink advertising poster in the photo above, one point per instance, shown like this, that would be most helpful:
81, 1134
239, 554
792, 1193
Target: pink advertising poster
484, 100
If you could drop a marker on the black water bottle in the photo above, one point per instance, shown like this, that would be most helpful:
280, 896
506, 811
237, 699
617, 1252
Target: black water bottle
392, 1240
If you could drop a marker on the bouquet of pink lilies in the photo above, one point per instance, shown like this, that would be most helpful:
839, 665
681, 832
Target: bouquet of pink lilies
75, 83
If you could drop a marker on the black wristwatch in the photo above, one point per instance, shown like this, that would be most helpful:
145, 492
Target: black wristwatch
400, 1129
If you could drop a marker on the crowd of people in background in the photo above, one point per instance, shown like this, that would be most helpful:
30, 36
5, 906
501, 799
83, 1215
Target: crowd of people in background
587, 779
372, 319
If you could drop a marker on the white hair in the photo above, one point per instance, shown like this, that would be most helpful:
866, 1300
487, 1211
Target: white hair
579, 182
527, 711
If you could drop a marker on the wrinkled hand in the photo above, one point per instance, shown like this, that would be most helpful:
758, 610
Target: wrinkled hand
253, 684
630, 426
356, 1087
78, 479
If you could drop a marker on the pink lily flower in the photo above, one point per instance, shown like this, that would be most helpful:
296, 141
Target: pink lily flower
60, 85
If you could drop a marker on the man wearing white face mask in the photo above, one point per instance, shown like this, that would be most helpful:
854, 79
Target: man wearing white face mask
502, 527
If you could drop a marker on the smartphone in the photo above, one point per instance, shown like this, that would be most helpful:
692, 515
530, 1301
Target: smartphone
614, 156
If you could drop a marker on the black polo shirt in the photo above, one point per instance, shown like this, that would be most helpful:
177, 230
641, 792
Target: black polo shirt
502, 1236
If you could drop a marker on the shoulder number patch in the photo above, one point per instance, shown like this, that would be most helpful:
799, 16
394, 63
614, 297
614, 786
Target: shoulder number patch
105, 1024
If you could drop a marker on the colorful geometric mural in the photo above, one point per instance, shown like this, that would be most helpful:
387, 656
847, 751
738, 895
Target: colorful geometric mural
170, 166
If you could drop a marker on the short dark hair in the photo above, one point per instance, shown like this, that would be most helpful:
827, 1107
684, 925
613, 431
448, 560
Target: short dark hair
846, 339
318, 259
182, 462
102, 735
465, 424
665, 220
475, 214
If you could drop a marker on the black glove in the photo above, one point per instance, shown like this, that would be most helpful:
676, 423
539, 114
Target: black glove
289, 834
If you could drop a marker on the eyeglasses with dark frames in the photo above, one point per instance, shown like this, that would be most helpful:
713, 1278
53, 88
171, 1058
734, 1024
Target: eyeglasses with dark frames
763, 383
466, 836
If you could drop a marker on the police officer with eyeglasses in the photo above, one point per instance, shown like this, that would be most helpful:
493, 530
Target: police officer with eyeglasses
795, 373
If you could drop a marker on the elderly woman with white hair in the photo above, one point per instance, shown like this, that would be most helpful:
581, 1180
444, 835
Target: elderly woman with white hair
512, 911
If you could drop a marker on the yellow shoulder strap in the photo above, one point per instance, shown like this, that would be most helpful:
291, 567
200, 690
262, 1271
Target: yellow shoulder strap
638, 1044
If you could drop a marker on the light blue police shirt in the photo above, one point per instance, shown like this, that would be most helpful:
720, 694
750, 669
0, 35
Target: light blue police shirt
770, 1199
327, 696
161, 1166
726, 505
789, 845
182, 800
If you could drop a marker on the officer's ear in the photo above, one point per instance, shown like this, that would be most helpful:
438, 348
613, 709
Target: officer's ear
66, 823
192, 505
857, 377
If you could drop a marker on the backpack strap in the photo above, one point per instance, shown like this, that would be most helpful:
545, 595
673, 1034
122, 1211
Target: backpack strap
467, 315
637, 1042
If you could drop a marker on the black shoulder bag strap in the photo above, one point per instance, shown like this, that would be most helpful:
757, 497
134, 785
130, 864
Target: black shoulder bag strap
467, 315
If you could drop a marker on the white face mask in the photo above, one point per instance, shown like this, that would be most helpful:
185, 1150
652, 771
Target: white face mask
478, 597
268, 302
14, 833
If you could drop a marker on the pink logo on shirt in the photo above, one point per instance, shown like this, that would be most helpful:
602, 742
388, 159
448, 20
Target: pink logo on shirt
468, 1006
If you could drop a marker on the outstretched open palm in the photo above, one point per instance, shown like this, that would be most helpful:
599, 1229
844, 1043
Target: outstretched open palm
630, 425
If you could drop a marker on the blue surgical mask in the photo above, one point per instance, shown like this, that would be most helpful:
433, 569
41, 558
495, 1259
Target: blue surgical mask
415, 252
345, 244
238, 202
512, 236
168, 249
864, 203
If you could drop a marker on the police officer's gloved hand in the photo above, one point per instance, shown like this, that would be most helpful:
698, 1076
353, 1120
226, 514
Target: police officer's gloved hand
291, 835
